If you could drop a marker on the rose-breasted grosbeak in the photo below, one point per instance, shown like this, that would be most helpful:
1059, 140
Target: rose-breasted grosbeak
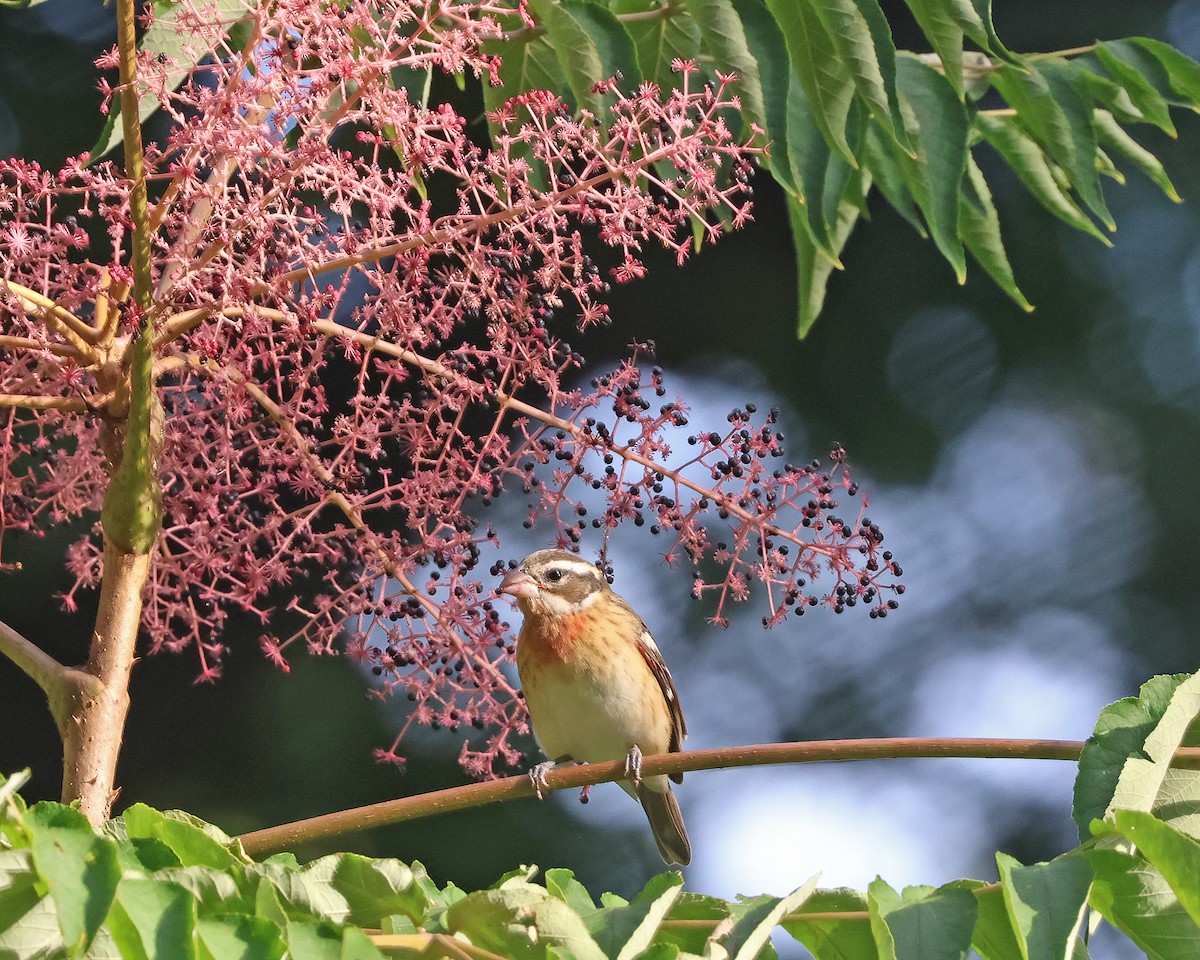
595, 684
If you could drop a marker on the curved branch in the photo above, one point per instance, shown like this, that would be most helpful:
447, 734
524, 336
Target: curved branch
273, 839
65, 687
63, 322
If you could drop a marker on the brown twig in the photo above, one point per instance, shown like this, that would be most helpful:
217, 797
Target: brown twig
286, 836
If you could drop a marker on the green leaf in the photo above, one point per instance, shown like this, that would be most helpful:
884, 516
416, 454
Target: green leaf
890, 170
625, 932
940, 128
311, 940
979, 227
527, 63
375, 889
153, 919
1175, 855
1054, 105
80, 870
618, 57
767, 46
1183, 73
725, 41
975, 17
823, 176
751, 931
580, 58
216, 890
854, 38
693, 906
164, 37
238, 938
308, 890
18, 886
993, 937
36, 933
1135, 898
659, 41
816, 63
945, 35
192, 840
921, 924
1113, 134
1141, 92
521, 920
1126, 761
1033, 168
1046, 902
813, 267
831, 938
561, 882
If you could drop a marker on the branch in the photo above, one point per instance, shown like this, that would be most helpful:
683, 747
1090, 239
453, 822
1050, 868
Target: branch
63, 322
273, 839
63, 686
70, 404
37, 346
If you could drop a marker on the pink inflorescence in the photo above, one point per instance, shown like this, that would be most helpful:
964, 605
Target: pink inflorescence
361, 320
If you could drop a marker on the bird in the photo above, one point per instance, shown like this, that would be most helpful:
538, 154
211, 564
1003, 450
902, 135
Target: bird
595, 684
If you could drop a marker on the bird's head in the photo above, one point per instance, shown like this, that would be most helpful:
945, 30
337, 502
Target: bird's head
553, 582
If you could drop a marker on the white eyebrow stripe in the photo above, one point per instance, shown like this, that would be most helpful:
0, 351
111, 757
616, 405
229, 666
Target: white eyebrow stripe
582, 567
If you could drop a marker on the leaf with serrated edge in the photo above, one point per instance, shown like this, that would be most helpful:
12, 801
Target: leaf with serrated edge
979, 227
1175, 855
1151, 103
1135, 898
855, 45
830, 937
921, 923
944, 34
816, 64
1033, 169
767, 46
659, 41
1113, 134
625, 932
1046, 902
941, 129
752, 931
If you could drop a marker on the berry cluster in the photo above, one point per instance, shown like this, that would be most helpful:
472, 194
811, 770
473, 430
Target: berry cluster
360, 346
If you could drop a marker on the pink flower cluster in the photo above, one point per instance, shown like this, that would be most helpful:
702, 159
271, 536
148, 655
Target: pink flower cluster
360, 319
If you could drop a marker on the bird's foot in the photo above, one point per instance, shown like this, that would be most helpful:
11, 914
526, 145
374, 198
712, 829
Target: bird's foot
537, 776
633, 765
583, 792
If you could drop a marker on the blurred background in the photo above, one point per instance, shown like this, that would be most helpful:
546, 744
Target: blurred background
1036, 475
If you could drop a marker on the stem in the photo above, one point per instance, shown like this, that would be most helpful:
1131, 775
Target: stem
131, 514
66, 688
95, 729
273, 839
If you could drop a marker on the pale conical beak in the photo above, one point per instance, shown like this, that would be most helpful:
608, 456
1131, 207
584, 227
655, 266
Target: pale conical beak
519, 584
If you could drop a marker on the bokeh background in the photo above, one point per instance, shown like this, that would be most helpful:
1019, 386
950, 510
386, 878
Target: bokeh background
1036, 475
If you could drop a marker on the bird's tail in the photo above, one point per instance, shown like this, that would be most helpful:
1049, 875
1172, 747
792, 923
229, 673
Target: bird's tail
666, 822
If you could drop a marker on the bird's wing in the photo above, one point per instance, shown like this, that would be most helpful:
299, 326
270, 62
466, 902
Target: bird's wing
654, 660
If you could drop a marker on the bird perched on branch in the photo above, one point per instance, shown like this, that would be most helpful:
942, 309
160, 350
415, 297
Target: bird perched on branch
595, 684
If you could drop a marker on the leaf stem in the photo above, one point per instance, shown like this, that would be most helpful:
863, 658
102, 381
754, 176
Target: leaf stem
286, 836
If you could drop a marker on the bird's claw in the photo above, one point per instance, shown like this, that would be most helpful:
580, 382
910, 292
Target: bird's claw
537, 776
633, 765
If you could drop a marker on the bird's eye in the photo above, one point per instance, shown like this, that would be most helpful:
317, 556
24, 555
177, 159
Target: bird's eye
554, 575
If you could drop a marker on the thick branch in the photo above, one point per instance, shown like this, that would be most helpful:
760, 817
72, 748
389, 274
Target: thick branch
93, 734
273, 839
66, 688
